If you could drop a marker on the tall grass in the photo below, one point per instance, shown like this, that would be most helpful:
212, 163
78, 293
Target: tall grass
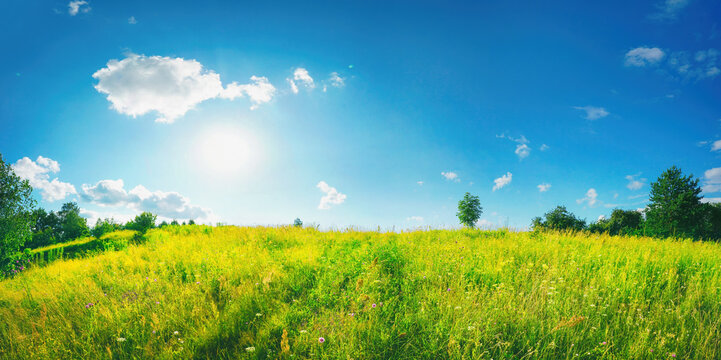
227, 293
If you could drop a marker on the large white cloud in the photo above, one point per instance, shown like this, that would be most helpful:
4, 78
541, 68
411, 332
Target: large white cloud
170, 205
171, 87
331, 197
642, 56
502, 181
593, 112
591, 197
38, 174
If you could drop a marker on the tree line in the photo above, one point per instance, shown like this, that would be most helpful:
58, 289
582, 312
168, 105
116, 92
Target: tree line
676, 209
24, 226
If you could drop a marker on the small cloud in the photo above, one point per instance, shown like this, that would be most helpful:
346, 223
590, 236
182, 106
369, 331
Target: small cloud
502, 181
300, 77
420, 183
544, 187
37, 173
132, 21
74, 7
593, 112
642, 56
668, 10
336, 80
418, 219
483, 223
637, 196
522, 150
716, 145
712, 180
634, 183
331, 197
591, 197
451, 176
544, 147
601, 217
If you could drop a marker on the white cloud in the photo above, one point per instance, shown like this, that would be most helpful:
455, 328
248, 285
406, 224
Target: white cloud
591, 197
93, 216
712, 200
300, 77
170, 205
132, 21
502, 181
701, 65
38, 174
336, 80
634, 183
331, 197
418, 219
544, 147
451, 176
712, 180
715, 146
260, 91
106, 193
601, 217
544, 187
593, 112
522, 150
642, 56
669, 9
78, 6
420, 183
483, 223
171, 87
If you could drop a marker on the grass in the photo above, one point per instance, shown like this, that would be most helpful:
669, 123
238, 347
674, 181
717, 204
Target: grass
196, 292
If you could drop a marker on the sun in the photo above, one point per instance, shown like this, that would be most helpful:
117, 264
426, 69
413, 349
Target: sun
226, 150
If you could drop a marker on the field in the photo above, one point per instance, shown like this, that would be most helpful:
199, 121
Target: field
279, 293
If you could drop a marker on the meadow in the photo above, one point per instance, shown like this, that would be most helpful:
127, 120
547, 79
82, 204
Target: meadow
199, 292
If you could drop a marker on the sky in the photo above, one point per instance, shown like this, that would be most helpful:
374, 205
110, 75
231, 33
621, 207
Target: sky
358, 113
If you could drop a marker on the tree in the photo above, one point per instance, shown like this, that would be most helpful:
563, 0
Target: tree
72, 224
46, 229
142, 223
469, 210
558, 219
103, 227
191, 222
297, 222
16, 206
675, 206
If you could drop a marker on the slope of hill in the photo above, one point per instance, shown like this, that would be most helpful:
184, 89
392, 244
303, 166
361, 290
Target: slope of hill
227, 292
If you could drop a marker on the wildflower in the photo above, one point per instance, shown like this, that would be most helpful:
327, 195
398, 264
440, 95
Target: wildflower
250, 349
176, 332
374, 305
603, 343
449, 289
121, 339
471, 327
157, 302
197, 282
673, 355
258, 314
89, 305
180, 341
351, 314
153, 331
322, 340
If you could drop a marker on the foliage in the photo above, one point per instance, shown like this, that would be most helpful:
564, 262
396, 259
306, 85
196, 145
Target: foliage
469, 210
142, 223
191, 222
16, 206
104, 226
622, 222
15, 264
72, 224
675, 206
558, 219
46, 229
211, 293
297, 222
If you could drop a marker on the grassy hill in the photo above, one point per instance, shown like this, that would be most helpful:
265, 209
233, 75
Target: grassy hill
227, 293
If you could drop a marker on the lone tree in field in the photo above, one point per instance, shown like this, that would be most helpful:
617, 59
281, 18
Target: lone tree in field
16, 206
675, 207
297, 222
469, 210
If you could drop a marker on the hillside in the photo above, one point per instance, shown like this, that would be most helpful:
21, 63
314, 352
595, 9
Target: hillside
227, 292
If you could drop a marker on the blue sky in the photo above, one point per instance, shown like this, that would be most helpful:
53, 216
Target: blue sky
357, 112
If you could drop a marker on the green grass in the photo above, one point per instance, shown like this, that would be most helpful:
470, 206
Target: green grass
197, 292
